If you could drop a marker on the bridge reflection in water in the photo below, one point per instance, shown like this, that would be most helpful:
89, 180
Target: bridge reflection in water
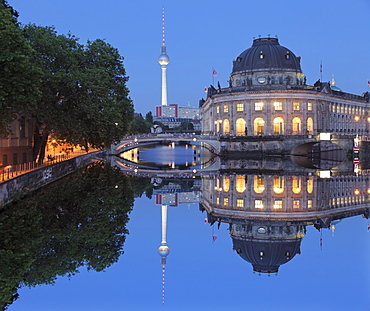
267, 209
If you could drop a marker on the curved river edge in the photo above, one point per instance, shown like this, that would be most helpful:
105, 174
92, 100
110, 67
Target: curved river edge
17, 187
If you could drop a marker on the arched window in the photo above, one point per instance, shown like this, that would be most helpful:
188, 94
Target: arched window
240, 183
296, 184
226, 126
240, 127
259, 126
296, 126
259, 184
309, 126
278, 126
278, 184
226, 183
310, 184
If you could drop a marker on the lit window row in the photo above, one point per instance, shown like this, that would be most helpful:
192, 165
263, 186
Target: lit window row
278, 204
347, 109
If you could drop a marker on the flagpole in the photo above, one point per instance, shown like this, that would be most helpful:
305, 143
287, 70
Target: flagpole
321, 71
213, 77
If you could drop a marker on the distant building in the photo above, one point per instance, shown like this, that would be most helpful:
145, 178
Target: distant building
17, 148
173, 115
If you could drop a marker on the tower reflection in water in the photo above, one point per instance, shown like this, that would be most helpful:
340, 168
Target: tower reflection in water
268, 214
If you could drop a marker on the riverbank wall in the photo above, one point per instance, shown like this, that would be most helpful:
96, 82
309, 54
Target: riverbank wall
16, 187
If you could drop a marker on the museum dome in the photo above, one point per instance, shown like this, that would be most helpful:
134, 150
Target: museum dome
266, 256
267, 54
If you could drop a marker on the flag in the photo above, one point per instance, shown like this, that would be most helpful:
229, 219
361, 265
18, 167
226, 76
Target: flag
214, 237
205, 89
214, 72
321, 68
368, 83
205, 220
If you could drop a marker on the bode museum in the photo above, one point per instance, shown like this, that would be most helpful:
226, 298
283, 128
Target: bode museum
268, 97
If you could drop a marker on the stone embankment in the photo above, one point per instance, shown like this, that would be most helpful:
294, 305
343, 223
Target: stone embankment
30, 181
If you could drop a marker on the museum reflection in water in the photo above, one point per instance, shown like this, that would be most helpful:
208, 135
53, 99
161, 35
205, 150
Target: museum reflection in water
268, 214
268, 209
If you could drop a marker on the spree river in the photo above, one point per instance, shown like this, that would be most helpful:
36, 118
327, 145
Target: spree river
239, 234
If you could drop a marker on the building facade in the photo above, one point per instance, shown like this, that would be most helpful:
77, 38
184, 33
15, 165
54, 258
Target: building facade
268, 96
17, 147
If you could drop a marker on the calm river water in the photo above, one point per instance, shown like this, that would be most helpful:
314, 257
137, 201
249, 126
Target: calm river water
242, 235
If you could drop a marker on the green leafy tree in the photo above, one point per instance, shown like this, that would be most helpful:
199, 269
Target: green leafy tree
18, 77
84, 96
149, 117
140, 125
79, 220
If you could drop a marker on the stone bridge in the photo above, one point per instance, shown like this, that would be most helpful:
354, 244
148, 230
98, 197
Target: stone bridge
141, 140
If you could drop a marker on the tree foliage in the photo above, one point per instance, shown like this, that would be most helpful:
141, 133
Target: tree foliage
18, 76
79, 220
84, 99
140, 125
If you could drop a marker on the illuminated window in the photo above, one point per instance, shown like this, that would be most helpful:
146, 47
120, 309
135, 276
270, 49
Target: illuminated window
346, 110
309, 106
259, 184
240, 127
226, 201
217, 109
278, 105
240, 183
296, 106
309, 126
258, 204
239, 203
296, 203
309, 203
226, 126
338, 109
226, 108
309, 184
278, 126
342, 109
226, 183
278, 184
258, 106
296, 184
278, 204
296, 124
240, 107
259, 126
217, 200
261, 55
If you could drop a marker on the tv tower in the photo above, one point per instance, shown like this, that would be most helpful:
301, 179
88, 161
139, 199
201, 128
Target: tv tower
163, 60
163, 250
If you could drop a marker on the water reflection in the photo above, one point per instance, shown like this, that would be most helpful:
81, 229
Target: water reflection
269, 202
268, 214
268, 205
77, 221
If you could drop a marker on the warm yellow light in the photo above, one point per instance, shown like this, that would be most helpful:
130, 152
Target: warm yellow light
368, 119
368, 191
357, 118
357, 192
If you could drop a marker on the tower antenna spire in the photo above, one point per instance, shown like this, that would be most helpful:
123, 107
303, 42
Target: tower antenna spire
163, 60
163, 39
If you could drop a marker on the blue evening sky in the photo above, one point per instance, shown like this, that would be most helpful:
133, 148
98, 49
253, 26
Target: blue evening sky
201, 35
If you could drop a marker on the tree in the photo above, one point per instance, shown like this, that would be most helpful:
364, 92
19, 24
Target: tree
149, 117
76, 221
18, 76
84, 99
140, 125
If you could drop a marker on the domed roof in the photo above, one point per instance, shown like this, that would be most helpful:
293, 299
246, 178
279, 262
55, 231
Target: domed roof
266, 54
267, 256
